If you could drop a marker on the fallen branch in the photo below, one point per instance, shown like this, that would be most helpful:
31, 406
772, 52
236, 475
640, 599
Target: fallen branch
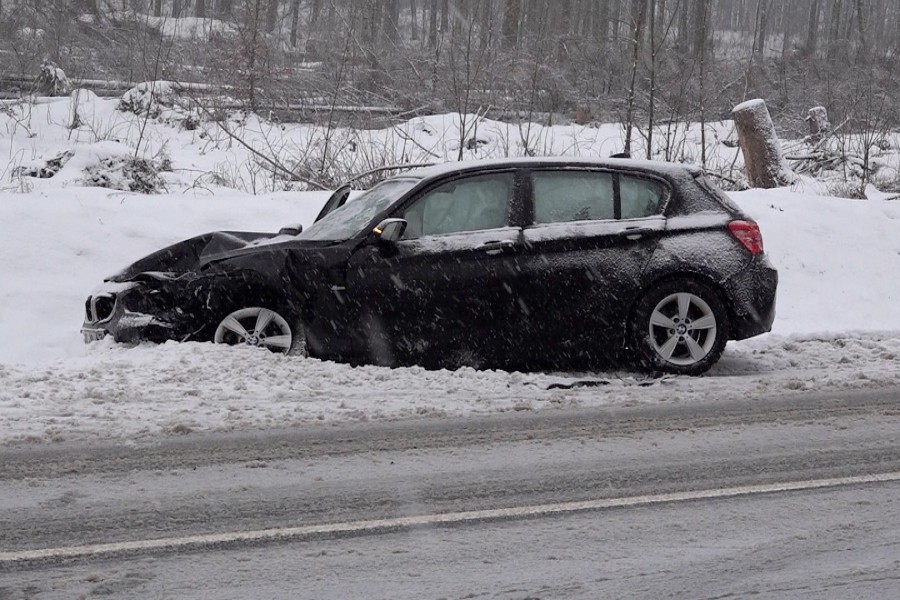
388, 168
274, 165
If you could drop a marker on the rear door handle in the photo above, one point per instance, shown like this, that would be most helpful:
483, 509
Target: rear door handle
496, 247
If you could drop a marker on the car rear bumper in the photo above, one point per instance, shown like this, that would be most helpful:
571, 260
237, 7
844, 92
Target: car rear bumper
753, 293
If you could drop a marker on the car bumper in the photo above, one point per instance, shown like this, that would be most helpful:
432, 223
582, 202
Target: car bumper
106, 314
92, 334
753, 293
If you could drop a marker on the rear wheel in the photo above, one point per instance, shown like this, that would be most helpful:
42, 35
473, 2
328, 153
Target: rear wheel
680, 327
262, 327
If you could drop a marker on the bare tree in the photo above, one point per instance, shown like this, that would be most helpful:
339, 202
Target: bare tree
511, 16
638, 16
272, 15
295, 21
861, 29
812, 35
432, 24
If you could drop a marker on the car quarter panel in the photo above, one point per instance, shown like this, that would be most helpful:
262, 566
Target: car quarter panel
700, 246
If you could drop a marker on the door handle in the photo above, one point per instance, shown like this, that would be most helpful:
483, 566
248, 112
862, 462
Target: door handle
635, 233
496, 247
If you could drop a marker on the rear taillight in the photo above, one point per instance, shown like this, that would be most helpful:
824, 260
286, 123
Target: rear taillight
748, 234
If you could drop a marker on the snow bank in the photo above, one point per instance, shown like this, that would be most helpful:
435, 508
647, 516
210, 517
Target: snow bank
173, 389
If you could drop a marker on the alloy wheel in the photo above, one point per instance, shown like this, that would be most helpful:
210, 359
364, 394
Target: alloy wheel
682, 329
255, 326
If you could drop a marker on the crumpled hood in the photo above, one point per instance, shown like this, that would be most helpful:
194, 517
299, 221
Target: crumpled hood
190, 255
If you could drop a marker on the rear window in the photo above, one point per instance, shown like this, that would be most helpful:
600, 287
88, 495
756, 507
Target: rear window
640, 197
562, 196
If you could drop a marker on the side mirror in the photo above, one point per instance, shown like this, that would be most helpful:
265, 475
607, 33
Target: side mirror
291, 229
390, 230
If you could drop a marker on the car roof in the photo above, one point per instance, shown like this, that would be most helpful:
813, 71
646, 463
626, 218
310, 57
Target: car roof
628, 164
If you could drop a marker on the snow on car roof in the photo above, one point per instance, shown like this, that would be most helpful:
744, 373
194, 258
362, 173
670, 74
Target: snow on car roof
659, 167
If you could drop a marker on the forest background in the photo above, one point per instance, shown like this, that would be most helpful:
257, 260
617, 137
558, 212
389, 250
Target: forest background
646, 64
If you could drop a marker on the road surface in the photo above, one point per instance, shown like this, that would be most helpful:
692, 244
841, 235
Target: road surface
788, 497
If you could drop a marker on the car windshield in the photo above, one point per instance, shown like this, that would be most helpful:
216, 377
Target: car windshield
345, 222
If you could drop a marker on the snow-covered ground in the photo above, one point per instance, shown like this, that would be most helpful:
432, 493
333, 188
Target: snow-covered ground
838, 323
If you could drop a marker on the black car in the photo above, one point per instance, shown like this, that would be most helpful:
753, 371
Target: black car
518, 263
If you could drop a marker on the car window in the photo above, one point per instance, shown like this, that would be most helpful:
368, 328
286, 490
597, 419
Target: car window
563, 196
345, 222
640, 197
471, 204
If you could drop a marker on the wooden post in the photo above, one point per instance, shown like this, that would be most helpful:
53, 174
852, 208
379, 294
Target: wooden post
763, 160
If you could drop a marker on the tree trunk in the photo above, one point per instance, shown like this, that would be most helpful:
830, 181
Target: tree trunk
432, 24
392, 20
683, 27
487, 26
836, 14
704, 33
511, 24
224, 8
861, 28
812, 35
295, 22
639, 12
272, 16
252, 54
787, 19
763, 160
614, 20
200, 9
762, 26
702, 15
176, 9
157, 8
413, 10
652, 99
603, 25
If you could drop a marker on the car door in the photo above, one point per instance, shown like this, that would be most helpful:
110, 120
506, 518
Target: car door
445, 288
591, 234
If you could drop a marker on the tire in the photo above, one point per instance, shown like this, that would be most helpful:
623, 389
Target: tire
680, 327
262, 327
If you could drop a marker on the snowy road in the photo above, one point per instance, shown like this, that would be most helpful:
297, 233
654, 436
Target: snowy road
840, 541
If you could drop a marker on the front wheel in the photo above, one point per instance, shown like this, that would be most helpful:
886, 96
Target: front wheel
680, 327
262, 327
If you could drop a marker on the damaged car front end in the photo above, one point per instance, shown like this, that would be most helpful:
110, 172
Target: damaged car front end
189, 290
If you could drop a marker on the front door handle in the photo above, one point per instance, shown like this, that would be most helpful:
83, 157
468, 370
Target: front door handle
635, 233
496, 247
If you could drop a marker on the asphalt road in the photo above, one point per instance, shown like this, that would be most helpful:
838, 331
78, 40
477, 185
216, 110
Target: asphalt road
644, 501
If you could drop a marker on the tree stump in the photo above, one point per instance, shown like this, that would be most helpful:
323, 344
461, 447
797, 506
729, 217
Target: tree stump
763, 159
51, 81
819, 126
